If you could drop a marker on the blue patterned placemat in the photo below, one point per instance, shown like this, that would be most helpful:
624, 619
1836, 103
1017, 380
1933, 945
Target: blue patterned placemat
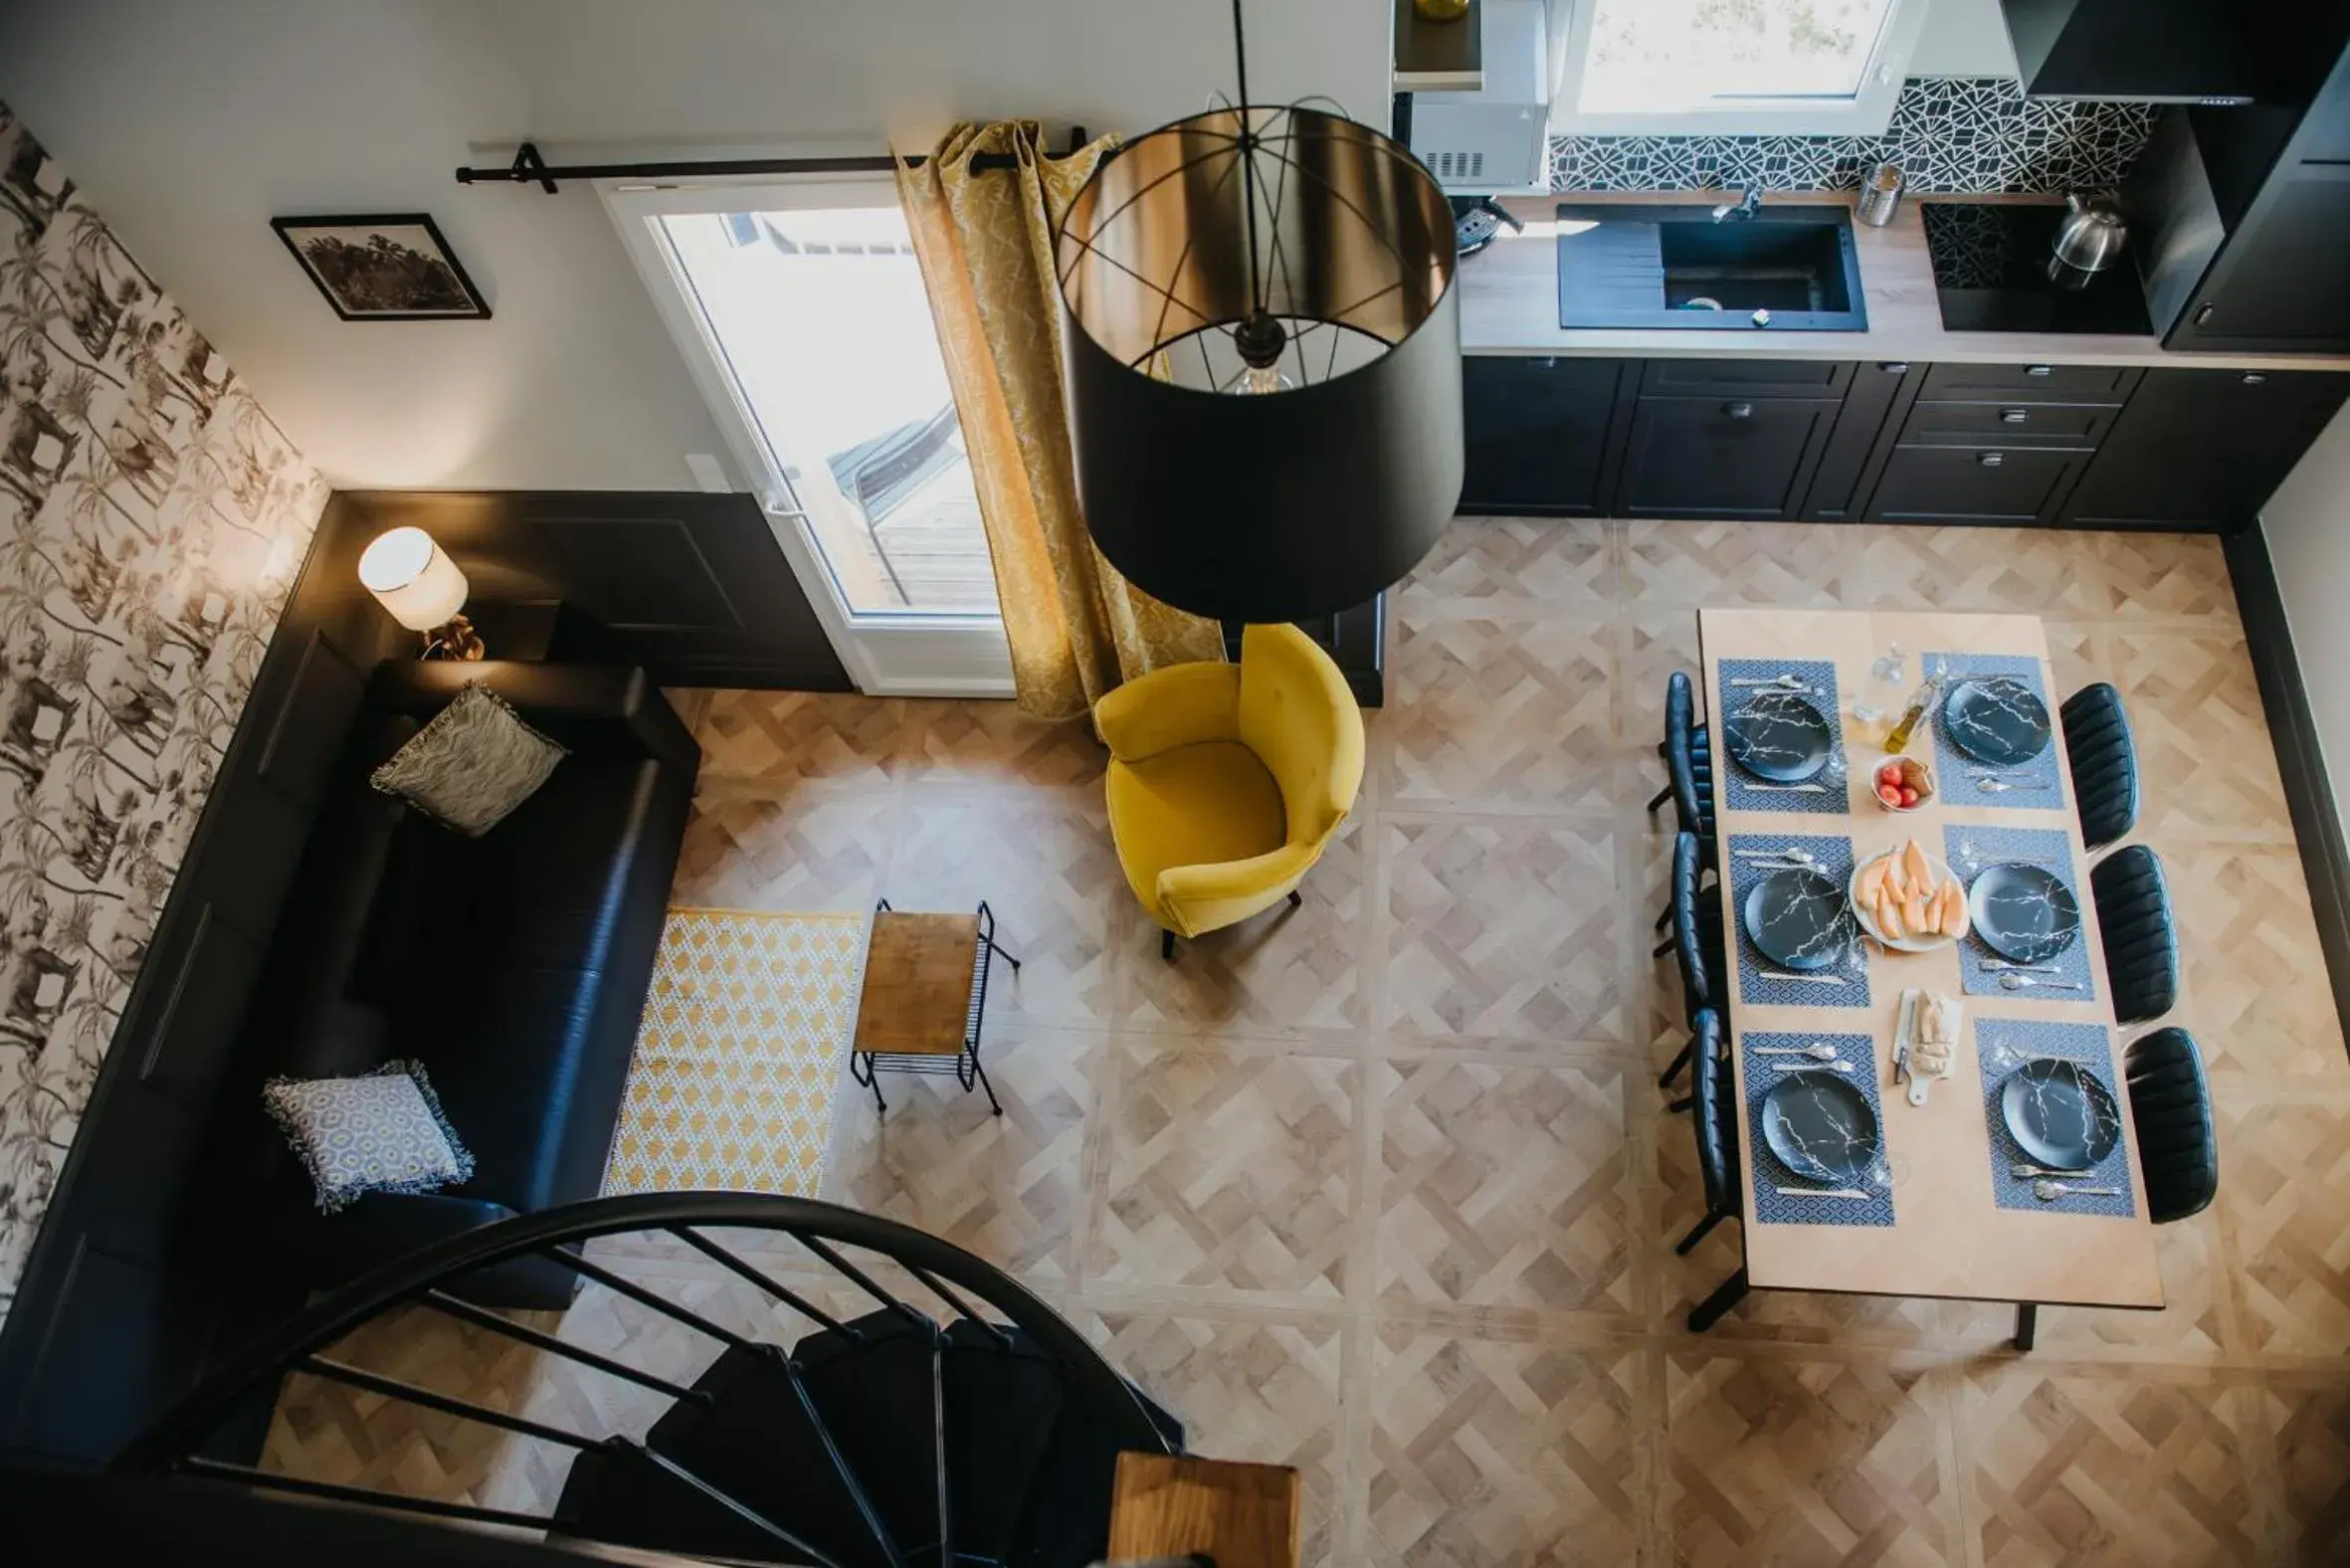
1747, 793
2040, 782
2005, 1044
1971, 849
1842, 984
1773, 1207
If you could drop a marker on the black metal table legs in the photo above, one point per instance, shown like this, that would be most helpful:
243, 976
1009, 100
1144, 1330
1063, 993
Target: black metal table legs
1728, 1294
2027, 1323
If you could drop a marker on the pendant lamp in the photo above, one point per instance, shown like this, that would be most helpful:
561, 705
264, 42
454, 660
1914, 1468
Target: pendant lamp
1261, 344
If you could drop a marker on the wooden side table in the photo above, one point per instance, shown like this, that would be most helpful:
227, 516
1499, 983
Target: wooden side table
925, 998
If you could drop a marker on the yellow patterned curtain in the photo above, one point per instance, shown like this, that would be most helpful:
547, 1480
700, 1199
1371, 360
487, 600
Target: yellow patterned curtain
985, 240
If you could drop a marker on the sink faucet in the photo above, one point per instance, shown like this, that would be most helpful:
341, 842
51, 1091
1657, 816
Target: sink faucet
1743, 208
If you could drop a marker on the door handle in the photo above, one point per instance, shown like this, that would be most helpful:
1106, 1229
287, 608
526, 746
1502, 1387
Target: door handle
1895, 367
1544, 362
2012, 416
1738, 410
2254, 378
2203, 313
2040, 370
1991, 459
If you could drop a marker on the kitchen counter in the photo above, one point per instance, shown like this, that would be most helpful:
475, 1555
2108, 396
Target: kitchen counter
1510, 304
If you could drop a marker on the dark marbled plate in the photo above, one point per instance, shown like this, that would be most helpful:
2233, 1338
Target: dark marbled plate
1822, 1127
2059, 1114
1797, 920
1996, 719
2023, 913
1780, 737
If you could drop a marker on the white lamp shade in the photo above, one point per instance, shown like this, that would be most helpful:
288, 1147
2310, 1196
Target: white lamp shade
413, 578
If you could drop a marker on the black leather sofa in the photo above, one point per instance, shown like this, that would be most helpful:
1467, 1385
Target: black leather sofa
514, 966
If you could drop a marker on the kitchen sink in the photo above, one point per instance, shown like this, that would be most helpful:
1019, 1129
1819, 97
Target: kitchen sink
1784, 269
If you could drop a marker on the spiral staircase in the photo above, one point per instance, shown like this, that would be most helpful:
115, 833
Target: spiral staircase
983, 1434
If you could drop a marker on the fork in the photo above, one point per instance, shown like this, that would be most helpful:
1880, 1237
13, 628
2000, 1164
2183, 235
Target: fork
2010, 981
2049, 1191
1793, 789
2001, 786
1837, 1065
1812, 979
1824, 1192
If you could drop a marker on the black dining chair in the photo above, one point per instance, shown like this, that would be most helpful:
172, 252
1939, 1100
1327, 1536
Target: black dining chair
2141, 939
1697, 943
1687, 750
2171, 1112
1714, 1088
2104, 763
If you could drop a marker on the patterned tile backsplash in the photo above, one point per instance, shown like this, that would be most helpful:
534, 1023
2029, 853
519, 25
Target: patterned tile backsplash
1970, 134
153, 518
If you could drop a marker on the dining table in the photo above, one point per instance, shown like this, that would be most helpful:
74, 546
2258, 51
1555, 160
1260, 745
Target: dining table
1939, 1209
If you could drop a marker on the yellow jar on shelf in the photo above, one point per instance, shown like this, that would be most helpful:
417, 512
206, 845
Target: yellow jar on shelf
1441, 10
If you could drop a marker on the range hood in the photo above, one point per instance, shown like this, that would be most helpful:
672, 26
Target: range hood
2149, 51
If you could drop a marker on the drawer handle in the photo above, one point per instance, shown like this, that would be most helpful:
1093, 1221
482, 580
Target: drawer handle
1991, 459
1738, 410
2040, 370
1544, 362
2012, 416
2254, 378
2203, 313
1895, 367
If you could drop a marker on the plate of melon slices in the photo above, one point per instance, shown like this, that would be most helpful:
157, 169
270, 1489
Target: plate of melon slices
1909, 899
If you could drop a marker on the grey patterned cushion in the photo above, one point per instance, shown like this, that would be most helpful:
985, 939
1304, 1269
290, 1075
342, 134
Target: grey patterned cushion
383, 1132
471, 765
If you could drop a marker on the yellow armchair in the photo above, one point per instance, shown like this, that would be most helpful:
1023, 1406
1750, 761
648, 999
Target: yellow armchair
1227, 781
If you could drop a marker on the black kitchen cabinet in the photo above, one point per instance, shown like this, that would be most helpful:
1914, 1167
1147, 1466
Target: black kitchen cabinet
2202, 449
2278, 286
1539, 433
1992, 484
1722, 456
1841, 481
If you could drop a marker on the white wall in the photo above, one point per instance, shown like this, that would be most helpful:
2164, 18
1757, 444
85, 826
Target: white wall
191, 122
2308, 525
1963, 38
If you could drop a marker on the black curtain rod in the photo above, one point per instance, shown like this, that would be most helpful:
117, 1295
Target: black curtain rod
528, 168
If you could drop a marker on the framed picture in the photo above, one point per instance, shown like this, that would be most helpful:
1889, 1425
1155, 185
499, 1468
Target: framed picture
395, 267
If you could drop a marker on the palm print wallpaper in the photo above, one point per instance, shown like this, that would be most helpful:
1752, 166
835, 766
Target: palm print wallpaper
151, 522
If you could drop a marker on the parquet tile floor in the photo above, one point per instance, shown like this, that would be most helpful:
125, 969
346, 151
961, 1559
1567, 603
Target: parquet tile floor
1383, 1187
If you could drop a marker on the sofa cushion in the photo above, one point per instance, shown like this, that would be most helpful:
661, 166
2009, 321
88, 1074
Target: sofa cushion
382, 1132
472, 764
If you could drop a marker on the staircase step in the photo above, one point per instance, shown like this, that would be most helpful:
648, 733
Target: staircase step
879, 1398
756, 1443
623, 1496
1001, 1406
1065, 1518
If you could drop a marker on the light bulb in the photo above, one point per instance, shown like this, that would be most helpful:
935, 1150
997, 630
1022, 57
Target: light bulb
1262, 378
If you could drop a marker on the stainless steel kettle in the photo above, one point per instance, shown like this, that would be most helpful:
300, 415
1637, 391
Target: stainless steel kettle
2092, 233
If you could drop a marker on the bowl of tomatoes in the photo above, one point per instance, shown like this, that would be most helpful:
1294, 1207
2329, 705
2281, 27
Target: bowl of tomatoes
1902, 784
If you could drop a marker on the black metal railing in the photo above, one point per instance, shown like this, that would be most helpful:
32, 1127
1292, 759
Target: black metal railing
970, 1289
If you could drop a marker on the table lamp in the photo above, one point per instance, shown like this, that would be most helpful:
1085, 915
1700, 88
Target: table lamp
413, 579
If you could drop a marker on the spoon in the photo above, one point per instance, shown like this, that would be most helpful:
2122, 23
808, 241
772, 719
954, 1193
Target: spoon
1824, 1192
1816, 1051
2010, 981
2049, 1191
1813, 978
1788, 682
2023, 1172
2001, 786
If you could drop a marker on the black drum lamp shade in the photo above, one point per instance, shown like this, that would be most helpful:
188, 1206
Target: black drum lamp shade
1262, 349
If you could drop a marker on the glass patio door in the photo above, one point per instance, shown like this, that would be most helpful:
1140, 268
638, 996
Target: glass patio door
800, 310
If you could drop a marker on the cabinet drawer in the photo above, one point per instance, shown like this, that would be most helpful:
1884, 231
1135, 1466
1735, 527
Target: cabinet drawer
2007, 424
1749, 378
1538, 433
1726, 458
2010, 484
2032, 383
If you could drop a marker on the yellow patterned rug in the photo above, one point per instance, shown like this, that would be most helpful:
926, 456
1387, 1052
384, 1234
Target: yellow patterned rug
744, 1033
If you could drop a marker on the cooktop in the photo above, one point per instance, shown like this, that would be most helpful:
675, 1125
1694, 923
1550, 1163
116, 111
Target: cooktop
1992, 272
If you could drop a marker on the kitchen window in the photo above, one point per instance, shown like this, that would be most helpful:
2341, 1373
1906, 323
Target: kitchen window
1734, 67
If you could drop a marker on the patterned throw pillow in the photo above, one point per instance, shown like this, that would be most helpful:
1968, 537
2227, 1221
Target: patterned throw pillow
471, 765
383, 1132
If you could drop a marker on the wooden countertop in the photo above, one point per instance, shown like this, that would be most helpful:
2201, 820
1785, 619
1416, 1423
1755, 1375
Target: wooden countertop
1510, 304
1950, 1235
